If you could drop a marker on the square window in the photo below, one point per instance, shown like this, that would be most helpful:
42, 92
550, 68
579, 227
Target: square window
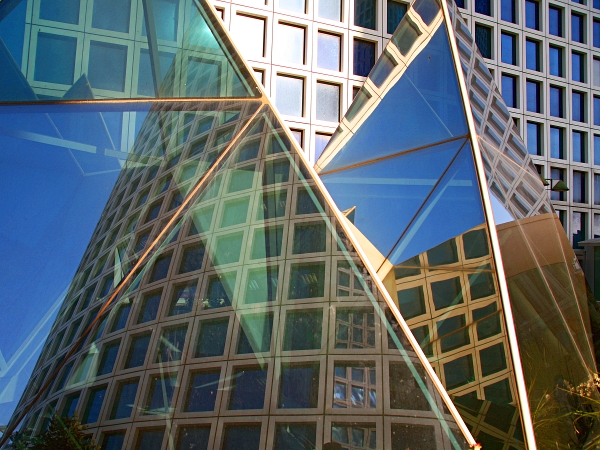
555, 21
111, 15
289, 97
124, 400
355, 386
149, 308
328, 102
249, 33
395, 13
578, 67
161, 268
483, 38
299, 386
160, 395
70, 405
136, 355
150, 439
483, 7
364, 57
121, 315
453, 333
241, 179
579, 147
330, 9
355, 328
107, 66
192, 258
508, 11
459, 372
533, 53
532, 14
365, 12
358, 435
193, 437
446, 293
475, 244
261, 285
328, 51
64, 11
309, 238
248, 388
557, 108
481, 283
94, 404
406, 393
307, 202
411, 302
235, 212
220, 291
241, 436
228, 249
534, 138
267, 242
295, 436
113, 441
509, 48
493, 359
182, 301
534, 96
409, 268
202, 391
108, 358
275, 172
293, 5
303, 330
509, 90
307, 280
55, 58
488, 321
423, 337
414, 436
211, 338
289, 45
442, 254
498, 392
170, 347
255, 333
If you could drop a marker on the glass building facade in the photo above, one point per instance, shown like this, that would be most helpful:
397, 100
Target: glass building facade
195, 283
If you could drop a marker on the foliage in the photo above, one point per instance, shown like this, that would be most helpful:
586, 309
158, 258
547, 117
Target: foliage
63, 433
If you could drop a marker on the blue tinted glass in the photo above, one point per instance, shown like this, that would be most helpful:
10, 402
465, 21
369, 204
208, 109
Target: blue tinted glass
534, 137
123, 403
596, 33
577, 66
532, 51
532, 14
149, 308
113, 441
596, 4
533, 96
246, 437
555, 21
596, 110
55, 58
556, 143
412, 100
483, 38
112, 15
483, 7
65, 11
556, 101
577, 27
578, 145
202, 392
365, 12
107, 361
364, 57
578, 107
556, 61
509, 48
579, 188
211, 338
150, 439
299, 387
407, 179
193, 437
455, 202
94, 403
249, 389
296, 437
145, 83
596, 150
137, 351
395, 13
508, 11
161, 394
509, 90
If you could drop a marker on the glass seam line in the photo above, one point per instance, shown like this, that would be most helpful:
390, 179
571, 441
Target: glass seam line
141, 261
102, 101
393, 155
487, 207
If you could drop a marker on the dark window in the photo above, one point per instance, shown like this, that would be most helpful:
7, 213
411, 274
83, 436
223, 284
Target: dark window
481, 283
192, 258
579, 187
492, 359
509, 90
272, 205
364, 57
532, 14
578, 67
55, 58
557, 143
193, 437
276, 172
299, 386
444, 253
534, 96
446, 293
241, 436
365, 12
557, 108
161, 268
113, 441
577, 27
579, 226
534, 138
248, 390
508, 11
533, 55
170, 347
211, 338
296, 436
395, 13
487, 320
556, 61
453, 333
405, 393
220, 291
557, 174
108, 358
303, 330
596, 150
150, 439
182, 301
202, 391
579, 147
475, 244
255, 333
596, 110
124, 400
160, 394
149, 308
307, 280
509, 49
596, 33
483, 7
153, 211
459, 372
137, 351
121, 316
578, 107
499, 392
555, 21
483, 38
423, 337
309, 238
413, 436
307, 202
70, 405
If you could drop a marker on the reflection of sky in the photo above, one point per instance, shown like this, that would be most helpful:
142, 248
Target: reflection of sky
52, 199
501, 214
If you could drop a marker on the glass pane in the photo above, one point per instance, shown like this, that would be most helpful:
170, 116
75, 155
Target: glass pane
290, 95
328, 51
289, 44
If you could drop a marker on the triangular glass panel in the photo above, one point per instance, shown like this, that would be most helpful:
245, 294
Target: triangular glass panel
421, 107
393, 189
179, 52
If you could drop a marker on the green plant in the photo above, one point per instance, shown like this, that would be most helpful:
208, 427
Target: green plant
63, 433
